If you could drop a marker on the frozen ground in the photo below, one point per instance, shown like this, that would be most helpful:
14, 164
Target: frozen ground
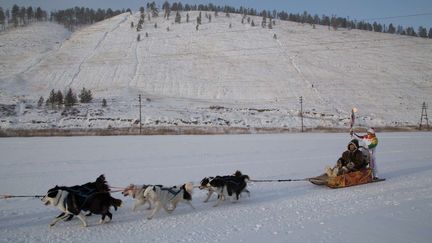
217, 76
397, 210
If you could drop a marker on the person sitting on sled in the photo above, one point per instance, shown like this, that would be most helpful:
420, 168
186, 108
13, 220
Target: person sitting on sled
352, 160
371, 141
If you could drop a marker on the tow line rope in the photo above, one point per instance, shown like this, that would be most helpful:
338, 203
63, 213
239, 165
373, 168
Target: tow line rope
119, 189
283, 180
14, 196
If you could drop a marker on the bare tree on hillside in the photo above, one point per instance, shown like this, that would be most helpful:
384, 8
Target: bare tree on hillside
40, 102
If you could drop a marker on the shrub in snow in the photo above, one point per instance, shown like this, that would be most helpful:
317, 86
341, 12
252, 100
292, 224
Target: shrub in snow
40, 101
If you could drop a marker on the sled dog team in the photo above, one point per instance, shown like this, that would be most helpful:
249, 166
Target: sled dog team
95, 197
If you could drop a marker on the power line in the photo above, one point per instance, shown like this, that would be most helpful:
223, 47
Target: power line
397, 17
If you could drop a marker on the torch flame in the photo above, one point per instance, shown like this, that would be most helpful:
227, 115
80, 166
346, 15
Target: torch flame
354, 109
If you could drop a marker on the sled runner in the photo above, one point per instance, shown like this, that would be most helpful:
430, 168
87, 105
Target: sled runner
351, 179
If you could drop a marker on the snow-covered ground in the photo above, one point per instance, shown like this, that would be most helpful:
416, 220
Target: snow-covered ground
396, 210
217, 76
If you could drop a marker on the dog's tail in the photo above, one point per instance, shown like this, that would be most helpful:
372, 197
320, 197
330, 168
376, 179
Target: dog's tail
188, 189
245, 178
116, 203
102, 184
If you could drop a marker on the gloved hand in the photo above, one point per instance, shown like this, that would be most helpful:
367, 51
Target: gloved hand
339, 163
351, 132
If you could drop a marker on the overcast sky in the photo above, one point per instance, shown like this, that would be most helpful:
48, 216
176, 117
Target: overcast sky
370, 10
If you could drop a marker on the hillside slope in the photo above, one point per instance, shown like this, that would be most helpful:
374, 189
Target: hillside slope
188, 73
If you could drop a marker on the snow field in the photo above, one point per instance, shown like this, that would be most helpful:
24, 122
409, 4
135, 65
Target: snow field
397, 210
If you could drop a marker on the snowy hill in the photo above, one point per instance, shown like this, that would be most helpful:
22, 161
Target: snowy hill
217, 76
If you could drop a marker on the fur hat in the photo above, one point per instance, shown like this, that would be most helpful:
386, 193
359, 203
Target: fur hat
354, 142
371, 130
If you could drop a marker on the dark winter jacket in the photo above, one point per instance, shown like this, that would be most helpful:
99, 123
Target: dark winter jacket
355, 156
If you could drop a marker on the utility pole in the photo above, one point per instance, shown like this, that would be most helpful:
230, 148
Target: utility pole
139, 98
301, 113
424, 114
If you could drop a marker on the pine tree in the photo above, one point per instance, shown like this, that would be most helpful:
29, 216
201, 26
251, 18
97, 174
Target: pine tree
430, 33
30, 14
422, 32
2, 18
178, 18
199, 19
22, 14
264, 21
70, 98
138, 37
39, 14
166, 8
51, 98
154, 10
15, 15
187, 18
59, 98
104, 103
85, 96
391, 29
410, 31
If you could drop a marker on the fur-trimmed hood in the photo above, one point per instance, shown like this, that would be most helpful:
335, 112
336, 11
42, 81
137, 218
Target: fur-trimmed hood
353, 142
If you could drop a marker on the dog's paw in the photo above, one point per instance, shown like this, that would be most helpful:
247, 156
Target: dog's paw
51, 225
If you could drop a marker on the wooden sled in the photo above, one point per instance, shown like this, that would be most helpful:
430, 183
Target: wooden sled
351, 179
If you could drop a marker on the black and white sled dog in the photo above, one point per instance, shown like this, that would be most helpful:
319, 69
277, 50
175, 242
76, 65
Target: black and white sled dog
161, 197
73, 202
137, 193
99, 185
225, 186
